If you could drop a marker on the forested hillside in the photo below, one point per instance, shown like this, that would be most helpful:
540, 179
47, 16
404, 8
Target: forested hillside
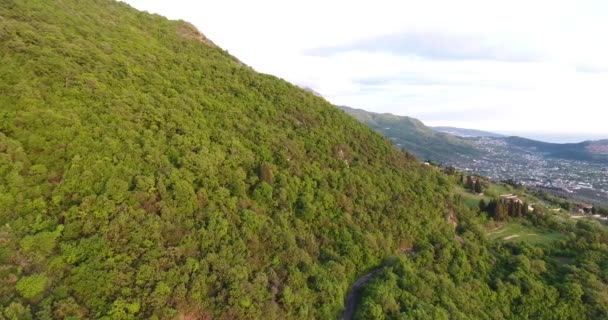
412, 135
147, 174
513, 279
594, 151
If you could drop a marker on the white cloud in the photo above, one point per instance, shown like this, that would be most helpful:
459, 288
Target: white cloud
473, 71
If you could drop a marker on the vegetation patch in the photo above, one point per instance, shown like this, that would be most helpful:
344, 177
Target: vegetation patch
520, 230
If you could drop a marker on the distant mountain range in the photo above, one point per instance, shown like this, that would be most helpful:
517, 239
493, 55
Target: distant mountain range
467, 132
596, 151
446, 144
575, 169
415, 137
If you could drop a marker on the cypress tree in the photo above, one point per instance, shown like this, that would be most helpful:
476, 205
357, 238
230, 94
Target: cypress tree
482, 205
478, 187
470, 183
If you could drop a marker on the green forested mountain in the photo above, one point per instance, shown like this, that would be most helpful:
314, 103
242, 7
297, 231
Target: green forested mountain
147, 174
412, 135
445, 144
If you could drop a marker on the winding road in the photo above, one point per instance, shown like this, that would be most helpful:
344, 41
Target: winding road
354, 295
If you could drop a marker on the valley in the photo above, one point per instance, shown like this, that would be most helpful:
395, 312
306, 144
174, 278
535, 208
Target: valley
585, 180
576, 170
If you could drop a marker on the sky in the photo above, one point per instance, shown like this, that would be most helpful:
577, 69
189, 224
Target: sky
534, 68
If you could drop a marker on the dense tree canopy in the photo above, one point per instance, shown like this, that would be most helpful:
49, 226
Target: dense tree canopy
146, 173
477, 279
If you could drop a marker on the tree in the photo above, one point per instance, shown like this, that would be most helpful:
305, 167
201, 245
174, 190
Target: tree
514, 208
470, 184
502, 211
491, 207
31, 286
16, 311
450, 170
482, 205
478, 186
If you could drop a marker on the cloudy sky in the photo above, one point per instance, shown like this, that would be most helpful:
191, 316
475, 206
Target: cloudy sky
536, 67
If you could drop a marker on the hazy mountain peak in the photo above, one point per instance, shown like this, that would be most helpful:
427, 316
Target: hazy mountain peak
466, 132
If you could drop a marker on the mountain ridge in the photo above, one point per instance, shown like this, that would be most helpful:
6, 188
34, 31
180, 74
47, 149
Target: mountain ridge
415, 137
466, 132
590, 150
587, 150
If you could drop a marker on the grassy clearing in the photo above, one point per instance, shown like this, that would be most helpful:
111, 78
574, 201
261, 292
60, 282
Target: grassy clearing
471, 200
516, 231
495, 190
